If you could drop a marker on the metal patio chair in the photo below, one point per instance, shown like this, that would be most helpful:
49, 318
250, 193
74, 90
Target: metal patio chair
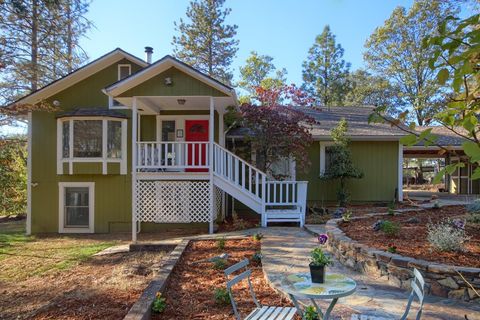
418, 290
260, 312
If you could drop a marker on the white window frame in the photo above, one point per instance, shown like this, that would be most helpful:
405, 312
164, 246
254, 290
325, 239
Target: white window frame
324, 144
61, 207
120, 65
104, 160
110, 99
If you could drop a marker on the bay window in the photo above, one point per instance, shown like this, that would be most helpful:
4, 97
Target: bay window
92, 139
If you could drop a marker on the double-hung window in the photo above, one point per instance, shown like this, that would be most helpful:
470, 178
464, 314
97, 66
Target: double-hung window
92, 139
76, 207
325, 156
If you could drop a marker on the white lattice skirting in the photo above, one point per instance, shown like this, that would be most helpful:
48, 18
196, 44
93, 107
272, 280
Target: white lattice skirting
175, 201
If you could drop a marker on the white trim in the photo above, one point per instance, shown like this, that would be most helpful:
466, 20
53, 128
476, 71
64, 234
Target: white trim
221, 129
211, 134
134, 168
29, 176
400, 173
323, 144
104, 160
159, 67
79, 75
91, 207
120, 65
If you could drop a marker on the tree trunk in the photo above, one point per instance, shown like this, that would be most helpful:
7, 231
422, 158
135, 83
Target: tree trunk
34, 47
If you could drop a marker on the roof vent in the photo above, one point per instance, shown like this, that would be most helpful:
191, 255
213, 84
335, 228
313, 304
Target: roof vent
148, 54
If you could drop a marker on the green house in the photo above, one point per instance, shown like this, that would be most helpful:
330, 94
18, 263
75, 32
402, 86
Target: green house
138, 146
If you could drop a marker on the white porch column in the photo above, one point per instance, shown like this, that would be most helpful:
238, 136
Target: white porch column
134, 169
400, 172
221, 129
211, 134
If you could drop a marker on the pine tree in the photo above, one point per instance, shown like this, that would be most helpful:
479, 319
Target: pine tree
206, 42
260, 72
325, 73
39, 43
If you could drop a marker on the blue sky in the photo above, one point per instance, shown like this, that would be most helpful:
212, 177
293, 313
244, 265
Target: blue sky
283, 29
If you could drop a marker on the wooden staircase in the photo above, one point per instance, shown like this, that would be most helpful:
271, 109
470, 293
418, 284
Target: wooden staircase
275, 201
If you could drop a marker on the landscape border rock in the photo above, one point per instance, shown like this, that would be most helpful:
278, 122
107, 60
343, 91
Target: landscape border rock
441, 279
142, 308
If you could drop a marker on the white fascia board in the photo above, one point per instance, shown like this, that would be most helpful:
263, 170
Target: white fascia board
77, 76
157, 68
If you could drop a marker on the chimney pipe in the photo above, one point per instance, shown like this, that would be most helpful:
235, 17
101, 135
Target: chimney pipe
148, 54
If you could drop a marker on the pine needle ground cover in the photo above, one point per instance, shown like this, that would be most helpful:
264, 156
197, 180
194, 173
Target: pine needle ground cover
58, 277
411, 239
194, 289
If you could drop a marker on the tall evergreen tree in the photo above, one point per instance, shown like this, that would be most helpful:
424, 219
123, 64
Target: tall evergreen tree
325, 73
395, 51
206, 42
39, 43
260, 72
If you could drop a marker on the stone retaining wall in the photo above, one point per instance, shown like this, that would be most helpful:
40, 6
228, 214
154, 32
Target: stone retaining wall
441, 279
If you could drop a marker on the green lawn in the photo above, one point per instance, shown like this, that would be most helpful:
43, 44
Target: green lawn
24, 256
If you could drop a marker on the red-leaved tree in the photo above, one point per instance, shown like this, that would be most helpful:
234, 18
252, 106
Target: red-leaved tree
278, 131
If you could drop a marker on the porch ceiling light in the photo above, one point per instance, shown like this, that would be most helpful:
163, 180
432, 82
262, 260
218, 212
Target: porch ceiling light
181, 101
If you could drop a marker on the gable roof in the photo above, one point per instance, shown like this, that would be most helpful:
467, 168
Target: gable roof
158, 67
78, 75
359, 128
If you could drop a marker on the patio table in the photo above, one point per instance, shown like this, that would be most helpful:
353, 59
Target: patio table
300, 286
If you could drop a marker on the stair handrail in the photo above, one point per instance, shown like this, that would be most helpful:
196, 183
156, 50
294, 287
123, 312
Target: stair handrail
240, 159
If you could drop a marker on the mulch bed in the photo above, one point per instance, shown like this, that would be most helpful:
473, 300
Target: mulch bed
412, 238
103, 287
190, 292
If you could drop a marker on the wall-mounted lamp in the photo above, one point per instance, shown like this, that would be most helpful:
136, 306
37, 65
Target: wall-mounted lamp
181, 101
168, 81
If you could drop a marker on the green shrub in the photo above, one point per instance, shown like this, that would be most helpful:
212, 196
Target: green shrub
445, 236
256, 257
346, 217
221, 243
257, 236
221, 296
310, 313
390, 228
159, 304
219, 264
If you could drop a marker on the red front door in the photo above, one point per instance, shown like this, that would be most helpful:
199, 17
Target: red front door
196, 130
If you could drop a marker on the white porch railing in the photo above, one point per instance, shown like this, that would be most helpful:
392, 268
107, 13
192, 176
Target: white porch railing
173, 155
271, 194
238, 172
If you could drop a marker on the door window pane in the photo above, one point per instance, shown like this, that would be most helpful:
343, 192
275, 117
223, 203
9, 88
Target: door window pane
66, 139
168, 130
114, 139
87, 138
76, 207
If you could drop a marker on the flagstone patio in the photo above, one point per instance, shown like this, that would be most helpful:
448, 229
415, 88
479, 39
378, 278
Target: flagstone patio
287, 250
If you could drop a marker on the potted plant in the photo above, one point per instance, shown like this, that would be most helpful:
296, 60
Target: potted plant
317, 265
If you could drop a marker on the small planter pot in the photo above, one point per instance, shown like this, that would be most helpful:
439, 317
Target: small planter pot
317, 273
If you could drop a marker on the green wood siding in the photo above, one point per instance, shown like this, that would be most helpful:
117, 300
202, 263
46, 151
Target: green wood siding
112, 192
183, 85
148, 128
378, 161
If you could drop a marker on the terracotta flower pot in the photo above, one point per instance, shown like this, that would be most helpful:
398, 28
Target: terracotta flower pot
317, 273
